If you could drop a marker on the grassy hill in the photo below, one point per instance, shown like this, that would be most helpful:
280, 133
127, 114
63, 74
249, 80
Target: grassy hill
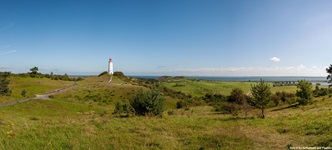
82, 118
32, 86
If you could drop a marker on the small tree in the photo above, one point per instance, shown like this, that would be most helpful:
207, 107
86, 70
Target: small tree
236, 102
24, 92
237, 96
4, 82
329, 71
34, 70
304, 92
148, 103
261, 96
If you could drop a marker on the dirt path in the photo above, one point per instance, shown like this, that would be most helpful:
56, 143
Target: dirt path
41, 96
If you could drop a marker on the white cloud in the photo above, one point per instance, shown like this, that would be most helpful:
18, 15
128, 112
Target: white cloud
301, 67
7, 52
275, 59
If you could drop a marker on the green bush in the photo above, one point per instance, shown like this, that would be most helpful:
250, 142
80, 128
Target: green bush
321, 91
148, 103
4, 82
119, 74
24, 92
231, 108
304, 92
235, 103
190, 102
103, 73
122, 109
283, 97
214, 99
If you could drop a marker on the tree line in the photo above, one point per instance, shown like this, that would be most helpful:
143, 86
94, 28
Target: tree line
35, 74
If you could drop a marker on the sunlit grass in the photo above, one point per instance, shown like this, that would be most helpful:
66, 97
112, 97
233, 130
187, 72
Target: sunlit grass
32, 86
199, 88
66, 122
65, 125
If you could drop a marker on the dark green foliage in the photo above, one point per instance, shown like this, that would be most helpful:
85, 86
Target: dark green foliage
148, 103
329, 71
24, 92
64, 77
261, 96
189, 102
102, 96
179, 85
174, 94
237, 96
34, 70
4, 82
214, 99
230, 108
236, 102
304, 92
103, 73
282, 97
181, 104
321, 91
119, 74
122, 109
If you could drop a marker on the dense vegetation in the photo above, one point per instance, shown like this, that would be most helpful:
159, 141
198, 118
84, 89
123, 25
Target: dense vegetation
148, 103
4, 83
35, 74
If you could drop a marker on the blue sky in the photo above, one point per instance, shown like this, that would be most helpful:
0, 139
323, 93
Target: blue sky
173, 37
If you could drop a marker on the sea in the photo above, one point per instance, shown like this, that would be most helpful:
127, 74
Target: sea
314, 80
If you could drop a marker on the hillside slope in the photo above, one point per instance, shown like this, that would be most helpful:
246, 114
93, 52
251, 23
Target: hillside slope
32, 86
82, 119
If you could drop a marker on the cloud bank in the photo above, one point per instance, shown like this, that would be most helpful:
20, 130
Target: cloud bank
3, 68
300, 70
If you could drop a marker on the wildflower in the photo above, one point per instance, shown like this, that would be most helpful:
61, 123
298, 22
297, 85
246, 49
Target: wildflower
10, 132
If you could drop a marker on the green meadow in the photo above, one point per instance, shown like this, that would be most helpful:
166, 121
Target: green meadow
32, 86
81, 118
201, 87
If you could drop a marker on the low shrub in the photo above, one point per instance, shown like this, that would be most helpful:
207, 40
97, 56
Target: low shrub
148, 103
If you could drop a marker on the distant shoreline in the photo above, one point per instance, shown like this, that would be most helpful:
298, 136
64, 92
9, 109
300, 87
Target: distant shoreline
313, 79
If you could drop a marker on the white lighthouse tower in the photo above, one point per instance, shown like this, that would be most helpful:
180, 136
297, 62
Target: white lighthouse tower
110, 66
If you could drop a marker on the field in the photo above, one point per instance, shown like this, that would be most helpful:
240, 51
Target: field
32, 86
76, 119
200, 87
